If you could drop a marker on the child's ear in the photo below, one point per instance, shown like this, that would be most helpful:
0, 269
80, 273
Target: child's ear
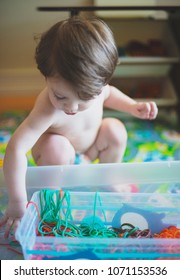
119, 61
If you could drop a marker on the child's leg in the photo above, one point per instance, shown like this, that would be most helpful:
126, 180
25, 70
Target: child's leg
53, 149
110, 146
110, 143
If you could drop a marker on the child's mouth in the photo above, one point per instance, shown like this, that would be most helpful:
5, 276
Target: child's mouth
70, 113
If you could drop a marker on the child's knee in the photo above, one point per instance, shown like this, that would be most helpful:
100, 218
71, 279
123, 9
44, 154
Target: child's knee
63, 152
117, 132
56, 150
112, 141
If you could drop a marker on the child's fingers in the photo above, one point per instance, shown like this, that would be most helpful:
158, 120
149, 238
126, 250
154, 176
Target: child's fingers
8, 227
3, 220
154, 110
144, 109
16, 224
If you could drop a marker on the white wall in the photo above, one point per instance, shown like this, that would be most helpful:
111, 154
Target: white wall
19, 22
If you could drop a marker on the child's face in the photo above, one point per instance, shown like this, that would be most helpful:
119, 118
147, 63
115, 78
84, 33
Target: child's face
63, 97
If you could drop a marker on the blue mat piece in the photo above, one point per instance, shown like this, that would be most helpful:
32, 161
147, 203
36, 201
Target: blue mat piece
147, 141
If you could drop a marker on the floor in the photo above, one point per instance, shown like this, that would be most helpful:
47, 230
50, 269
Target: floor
147, 141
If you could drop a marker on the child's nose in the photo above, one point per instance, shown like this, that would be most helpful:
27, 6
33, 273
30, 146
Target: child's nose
73, 107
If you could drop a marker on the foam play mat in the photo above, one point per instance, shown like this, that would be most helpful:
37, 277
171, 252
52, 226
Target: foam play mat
147, 140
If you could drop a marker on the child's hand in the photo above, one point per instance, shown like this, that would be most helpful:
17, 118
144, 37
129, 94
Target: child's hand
12, 216
145, 110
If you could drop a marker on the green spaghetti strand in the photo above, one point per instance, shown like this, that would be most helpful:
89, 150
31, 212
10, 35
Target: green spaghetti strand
56, 218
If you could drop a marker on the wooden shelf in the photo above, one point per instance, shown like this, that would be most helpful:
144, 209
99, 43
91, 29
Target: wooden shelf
148, 60
165, 97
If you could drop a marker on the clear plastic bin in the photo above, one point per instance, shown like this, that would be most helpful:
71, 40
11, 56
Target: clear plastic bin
155, 210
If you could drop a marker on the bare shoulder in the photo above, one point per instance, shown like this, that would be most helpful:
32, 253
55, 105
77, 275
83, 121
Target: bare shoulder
106, 92
37, 122
43, 113
43, 103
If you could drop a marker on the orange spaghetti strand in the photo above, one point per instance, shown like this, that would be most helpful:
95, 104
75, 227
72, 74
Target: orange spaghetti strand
31, 202
170, 232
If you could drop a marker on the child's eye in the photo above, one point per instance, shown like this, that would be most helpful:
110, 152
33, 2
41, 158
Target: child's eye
59, 97
87, 97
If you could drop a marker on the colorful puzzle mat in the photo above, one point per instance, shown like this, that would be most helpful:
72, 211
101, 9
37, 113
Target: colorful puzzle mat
147, 140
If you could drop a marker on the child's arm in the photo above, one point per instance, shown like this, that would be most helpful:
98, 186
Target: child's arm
15, 163
119, 101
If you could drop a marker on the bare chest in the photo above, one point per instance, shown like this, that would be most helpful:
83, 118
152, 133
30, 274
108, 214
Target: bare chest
81, 129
